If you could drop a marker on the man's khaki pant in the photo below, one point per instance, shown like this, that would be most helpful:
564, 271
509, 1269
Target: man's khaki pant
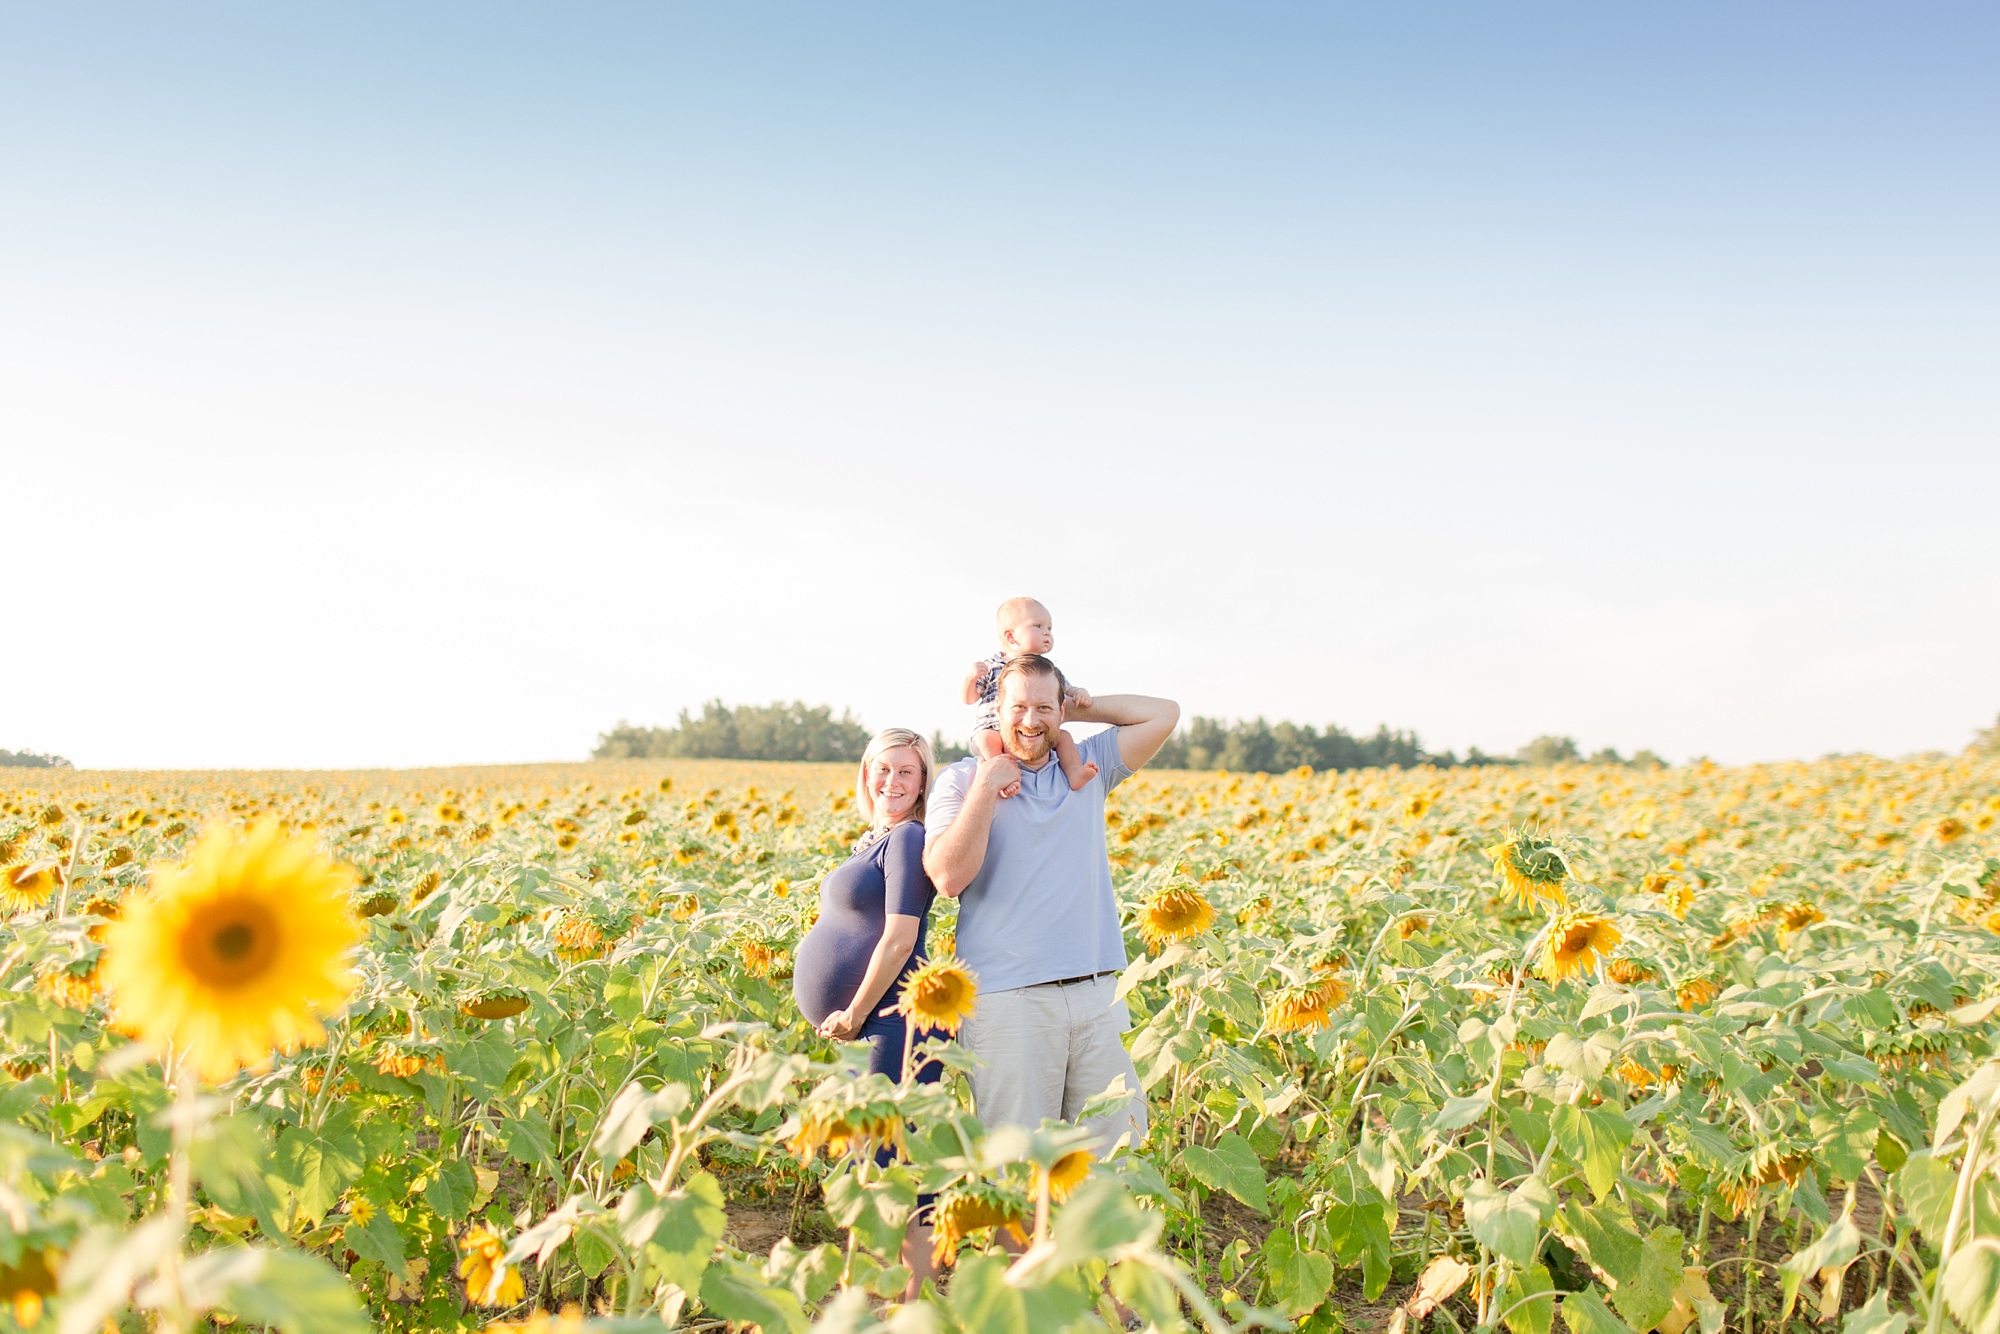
1045, 1051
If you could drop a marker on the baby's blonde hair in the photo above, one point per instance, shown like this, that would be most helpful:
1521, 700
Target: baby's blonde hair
1012, 608
888, 739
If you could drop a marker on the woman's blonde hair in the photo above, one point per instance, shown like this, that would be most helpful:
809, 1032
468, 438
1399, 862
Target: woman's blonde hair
888, 739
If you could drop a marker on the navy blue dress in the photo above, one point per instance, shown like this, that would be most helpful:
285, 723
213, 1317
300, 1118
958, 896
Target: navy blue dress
855, 901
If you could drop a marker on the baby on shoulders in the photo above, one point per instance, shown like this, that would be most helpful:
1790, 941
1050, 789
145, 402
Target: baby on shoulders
1025, 627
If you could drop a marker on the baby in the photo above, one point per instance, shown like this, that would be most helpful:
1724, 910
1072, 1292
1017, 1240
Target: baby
1025, 627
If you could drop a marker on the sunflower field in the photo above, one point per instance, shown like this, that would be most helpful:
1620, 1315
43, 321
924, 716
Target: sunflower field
1586, 1047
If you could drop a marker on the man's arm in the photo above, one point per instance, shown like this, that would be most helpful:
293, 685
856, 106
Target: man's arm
1143, 723
953, 856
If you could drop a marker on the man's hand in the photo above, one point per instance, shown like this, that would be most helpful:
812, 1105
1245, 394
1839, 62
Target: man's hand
998, 775
1143, 723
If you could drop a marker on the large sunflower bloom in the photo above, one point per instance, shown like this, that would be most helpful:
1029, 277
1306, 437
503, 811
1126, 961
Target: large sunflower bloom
27, 886
1531, 869
1175, 914
1574, 943
235, 952
942, 994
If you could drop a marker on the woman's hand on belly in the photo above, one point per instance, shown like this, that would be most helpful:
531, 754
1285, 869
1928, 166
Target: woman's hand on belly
842, 1024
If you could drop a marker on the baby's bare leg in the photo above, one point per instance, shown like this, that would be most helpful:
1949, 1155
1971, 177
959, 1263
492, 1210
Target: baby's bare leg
986, 744
1073, 764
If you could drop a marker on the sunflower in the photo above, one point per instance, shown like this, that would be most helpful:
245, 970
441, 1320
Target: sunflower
760, 958
1695, 992
942, 994
578, 939
27, 886
1175, 914
68, 987
1798, 916
1949, 830
379, 904
541, 1322
426, 884
968, 1208
1574, 943
1628, 972
236, 951
27, 1281
1532, 868
1299, 1009
504, 1003
1680, 897
1068, 1173
841, 1132
685, 908
487, 1281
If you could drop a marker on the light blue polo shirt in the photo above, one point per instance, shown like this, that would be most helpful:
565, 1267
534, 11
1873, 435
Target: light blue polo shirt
1041, 907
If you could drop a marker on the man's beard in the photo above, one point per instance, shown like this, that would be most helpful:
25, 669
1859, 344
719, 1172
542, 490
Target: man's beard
1029, 750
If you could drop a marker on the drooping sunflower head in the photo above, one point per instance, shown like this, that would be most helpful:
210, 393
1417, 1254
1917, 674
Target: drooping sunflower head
1798, 916
236, 951
942, 994
1950, 830
1300, 1009
762, 958
1695, 992
1680, 897
495, 1003
27, 886
969, 1208
1575, 942
1175, 914
577, 938
1532, 867
1068, 1172
1628, 972
487, 1281
851, 1130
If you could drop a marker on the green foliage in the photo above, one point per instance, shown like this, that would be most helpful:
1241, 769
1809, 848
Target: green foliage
31, 759
1258, 746
776, 731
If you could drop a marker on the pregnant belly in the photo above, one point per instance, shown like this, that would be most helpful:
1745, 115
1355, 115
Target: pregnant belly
826, 971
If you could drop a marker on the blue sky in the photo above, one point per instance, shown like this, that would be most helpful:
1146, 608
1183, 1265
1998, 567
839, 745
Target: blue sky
399, 386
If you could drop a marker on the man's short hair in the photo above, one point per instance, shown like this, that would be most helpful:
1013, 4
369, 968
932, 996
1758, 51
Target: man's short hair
1032, 664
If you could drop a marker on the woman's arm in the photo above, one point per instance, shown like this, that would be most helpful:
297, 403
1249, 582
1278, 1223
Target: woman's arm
892, 951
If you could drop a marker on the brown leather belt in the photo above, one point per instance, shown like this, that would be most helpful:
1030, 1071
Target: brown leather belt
1072, 981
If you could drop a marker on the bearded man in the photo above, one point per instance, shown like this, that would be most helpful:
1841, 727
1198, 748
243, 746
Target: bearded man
1037, 919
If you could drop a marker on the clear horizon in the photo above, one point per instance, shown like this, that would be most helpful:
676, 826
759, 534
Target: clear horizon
390, 388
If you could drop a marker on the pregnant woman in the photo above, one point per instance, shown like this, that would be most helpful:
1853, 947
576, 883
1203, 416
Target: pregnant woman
870, 933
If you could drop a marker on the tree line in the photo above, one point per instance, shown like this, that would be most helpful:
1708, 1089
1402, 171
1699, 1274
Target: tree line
31, 759
797, 731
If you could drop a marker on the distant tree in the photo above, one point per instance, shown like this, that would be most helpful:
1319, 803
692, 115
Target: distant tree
1478, 756
1260, 746
946, 752
1986, 741
1646, 759
1609, 755
1549, 750
31, 759
775, 731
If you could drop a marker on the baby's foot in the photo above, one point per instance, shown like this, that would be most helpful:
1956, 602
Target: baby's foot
1010, 789
1083, 777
